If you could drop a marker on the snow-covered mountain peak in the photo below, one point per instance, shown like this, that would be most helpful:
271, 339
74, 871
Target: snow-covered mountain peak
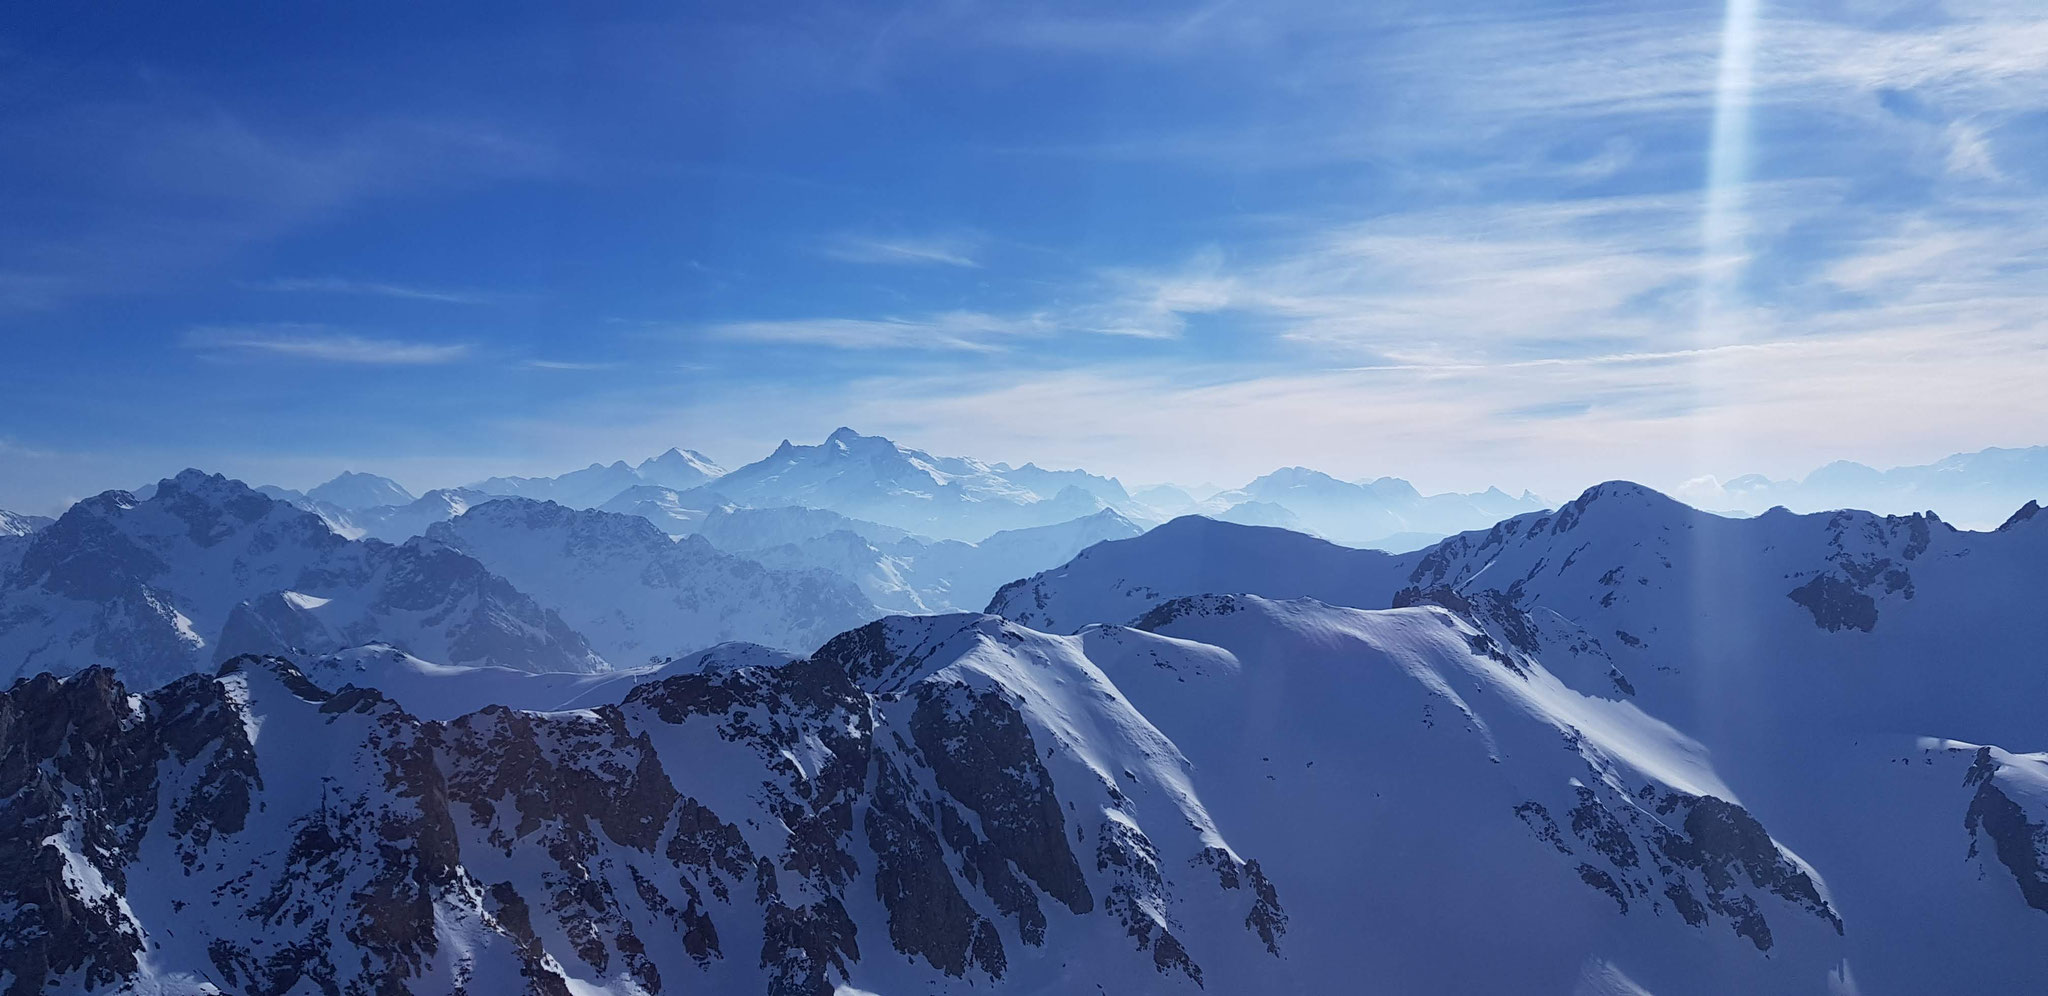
679, 468
356, 492
891, 654
205, 501
2026, 513
1295, 477
1620, 498
721, 657
874, 478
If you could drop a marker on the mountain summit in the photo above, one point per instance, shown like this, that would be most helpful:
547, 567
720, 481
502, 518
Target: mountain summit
874, 478
356, 492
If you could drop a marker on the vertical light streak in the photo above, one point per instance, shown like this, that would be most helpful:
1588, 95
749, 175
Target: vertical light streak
1724, 254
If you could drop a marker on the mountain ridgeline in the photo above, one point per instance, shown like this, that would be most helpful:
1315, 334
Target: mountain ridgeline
1619, 746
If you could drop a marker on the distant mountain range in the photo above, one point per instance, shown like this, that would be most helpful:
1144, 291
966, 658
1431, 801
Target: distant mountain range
598, 483
206, 568
873, 479
1383, 512
898, 571
1973, 489
876, 480
638, 595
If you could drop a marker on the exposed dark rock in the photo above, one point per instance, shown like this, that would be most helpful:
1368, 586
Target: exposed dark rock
74, 767
1605, 883
2020, 843
1730, 851
2026, 512
927, 915
1836, 604
986, 867
1539, 822
802, 948
1266, 918
1602, 831
981, 752
1194, 605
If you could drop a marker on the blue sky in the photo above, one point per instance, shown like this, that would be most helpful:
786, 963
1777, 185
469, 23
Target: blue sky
1464, 244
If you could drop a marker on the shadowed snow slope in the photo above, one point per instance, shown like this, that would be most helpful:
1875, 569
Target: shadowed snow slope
636, 594
906, 573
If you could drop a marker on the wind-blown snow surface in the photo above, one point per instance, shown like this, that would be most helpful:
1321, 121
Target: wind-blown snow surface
207, 568
636, 594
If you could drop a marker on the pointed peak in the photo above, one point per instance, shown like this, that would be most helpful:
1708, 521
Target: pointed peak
2026, 512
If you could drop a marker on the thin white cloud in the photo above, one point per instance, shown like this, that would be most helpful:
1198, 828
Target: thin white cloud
932, 250
958, 330
315, 344
372, 288
565, 365
1451, 286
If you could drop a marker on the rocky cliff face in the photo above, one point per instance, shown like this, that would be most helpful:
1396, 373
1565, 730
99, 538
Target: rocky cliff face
746, 829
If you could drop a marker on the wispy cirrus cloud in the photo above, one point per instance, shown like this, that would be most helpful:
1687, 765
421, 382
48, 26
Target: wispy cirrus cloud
958, 330
566, 365
318, 344
375, 288
904, 251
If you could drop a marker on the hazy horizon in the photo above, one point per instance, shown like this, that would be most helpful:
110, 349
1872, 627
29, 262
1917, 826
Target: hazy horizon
1988, 510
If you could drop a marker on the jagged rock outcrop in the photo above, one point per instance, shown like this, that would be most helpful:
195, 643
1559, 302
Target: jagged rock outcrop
778, 829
